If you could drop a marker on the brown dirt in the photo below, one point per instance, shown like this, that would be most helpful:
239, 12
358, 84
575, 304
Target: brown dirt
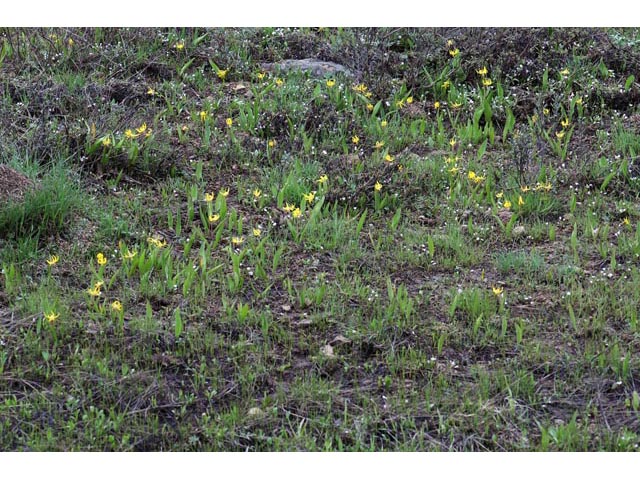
13, 185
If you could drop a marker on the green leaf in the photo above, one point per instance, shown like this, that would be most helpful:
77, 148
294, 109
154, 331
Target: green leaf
482, 149
376, 108
607, 180
396, 219
572, 316
186, 66
431, 246
361, 222
509, 124
198, 40
630, 79
178, 325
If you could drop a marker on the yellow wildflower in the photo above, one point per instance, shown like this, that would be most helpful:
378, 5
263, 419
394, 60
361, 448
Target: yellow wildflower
279, 82
116, 305
377, 187
129, 255
383, 123
487, 82
454, 52
237, 240
520, 201
129, 133
70, 42
203, 116
446, 84
179, 45
224, 192
309, 196
151, 91
545, 111
106, 141
222, 74
257, 232
400, 103
260, 75
142, 128
565, 123
322, 180
453, 170
499, 195
449, 43
474, 177
361, 88
564, 72
296, 212
184, 128
52, 260
456, 105
94, 291
370, 107
214, 218
482, 72
157, 242
257, 193
355, 139
271, 143
379, 144
331, 82
579, 101
51, 316
102, 260
497, 291
452, 142
288, 207
525, 188
507, 204
436, 105
209, 197
626, 221
388, 158
560, 134
229, 122
409, 100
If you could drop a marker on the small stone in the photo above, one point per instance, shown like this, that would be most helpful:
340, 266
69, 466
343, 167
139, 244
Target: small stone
327, 351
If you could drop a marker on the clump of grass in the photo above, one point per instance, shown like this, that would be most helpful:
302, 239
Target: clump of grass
45, 210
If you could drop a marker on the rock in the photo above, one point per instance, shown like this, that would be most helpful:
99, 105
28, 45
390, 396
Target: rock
518, 231
255, 412
315, 68
327, 351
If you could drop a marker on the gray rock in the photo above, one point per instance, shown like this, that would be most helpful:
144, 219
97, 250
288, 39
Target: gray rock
315, 68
